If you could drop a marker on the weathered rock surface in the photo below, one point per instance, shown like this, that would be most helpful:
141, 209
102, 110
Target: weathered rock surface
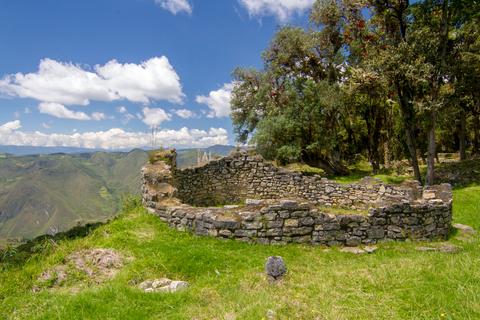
275, 267
163, 285
294, 208
358, 250
440, 247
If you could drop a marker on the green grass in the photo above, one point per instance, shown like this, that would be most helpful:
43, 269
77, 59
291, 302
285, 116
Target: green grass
305, 169
227, 281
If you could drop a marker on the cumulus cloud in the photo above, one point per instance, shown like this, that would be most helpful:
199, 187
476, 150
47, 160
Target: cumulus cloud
126, 116
282, 9
98, 116
153, 117
184, 113
10, 126
60, 111
175, 6
114, 138
71, 84
122, 109
218, 101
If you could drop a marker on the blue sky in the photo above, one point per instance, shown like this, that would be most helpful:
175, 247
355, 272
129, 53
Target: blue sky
101, 73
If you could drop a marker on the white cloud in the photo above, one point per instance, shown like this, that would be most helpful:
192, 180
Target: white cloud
122, 109
282, 9
46, 125
114, 138
98, 116
218, 101
10, 126
71, 84
126, 116
153, 117
60, 111
184, 113
175, 6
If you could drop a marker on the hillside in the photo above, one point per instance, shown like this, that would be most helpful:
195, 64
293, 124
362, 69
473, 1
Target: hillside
227, 277
48, 193
51, 193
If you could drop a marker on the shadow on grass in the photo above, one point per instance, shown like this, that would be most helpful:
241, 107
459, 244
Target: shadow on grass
20, 254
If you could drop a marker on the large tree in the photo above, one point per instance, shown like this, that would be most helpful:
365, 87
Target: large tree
335, 89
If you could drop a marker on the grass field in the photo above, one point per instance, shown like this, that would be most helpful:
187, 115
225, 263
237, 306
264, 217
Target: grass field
227, 281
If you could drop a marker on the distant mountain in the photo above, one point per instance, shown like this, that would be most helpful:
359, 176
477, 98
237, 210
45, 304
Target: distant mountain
188, 157
60, 188
30, 150
50, 193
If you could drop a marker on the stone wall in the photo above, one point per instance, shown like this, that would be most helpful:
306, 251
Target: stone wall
234, 179
280, 206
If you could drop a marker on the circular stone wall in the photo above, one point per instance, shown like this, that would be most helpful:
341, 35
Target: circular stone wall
279, 206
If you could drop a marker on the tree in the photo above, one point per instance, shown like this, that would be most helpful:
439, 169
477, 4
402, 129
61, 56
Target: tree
293, 107
369, 77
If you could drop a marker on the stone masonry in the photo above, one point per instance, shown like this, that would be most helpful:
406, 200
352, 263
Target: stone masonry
250, 199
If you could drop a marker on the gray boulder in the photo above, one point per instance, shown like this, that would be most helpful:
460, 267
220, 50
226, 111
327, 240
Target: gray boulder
275, 267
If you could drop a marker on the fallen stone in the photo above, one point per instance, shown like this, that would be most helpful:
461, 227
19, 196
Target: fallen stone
464, 229
178, 286
275, 267
370, 249
147, 284
443, 247
253, 202
162, 285
354, 250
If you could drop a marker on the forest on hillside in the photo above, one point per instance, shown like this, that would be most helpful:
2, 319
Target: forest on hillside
388, 79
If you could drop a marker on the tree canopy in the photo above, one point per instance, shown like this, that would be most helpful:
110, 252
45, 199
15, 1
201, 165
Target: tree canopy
388, 79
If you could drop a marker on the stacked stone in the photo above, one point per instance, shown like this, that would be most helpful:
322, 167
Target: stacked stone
401, 214
287, 221
232, 179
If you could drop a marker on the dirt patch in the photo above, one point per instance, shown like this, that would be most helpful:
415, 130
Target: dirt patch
94, 265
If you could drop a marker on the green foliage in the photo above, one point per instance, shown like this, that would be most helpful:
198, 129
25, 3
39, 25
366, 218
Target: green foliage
382, 84
305, 169
131, 202
157, 155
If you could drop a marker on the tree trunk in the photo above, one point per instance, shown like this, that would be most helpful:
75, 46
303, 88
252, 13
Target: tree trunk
462, 135
412, 149
436, 93
431, 152
331, 167
408, 115
386, 154
476, 134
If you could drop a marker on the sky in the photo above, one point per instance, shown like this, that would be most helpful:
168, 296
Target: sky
102, 73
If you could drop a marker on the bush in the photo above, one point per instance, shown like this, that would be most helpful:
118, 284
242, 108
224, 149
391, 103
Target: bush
131, 202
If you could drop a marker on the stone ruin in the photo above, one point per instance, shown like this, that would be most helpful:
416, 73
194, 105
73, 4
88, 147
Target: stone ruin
247, 198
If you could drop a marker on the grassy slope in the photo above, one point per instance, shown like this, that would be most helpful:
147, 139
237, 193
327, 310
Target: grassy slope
70, 188
226, 277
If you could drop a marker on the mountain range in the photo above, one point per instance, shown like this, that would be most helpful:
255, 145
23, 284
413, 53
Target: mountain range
49, 193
